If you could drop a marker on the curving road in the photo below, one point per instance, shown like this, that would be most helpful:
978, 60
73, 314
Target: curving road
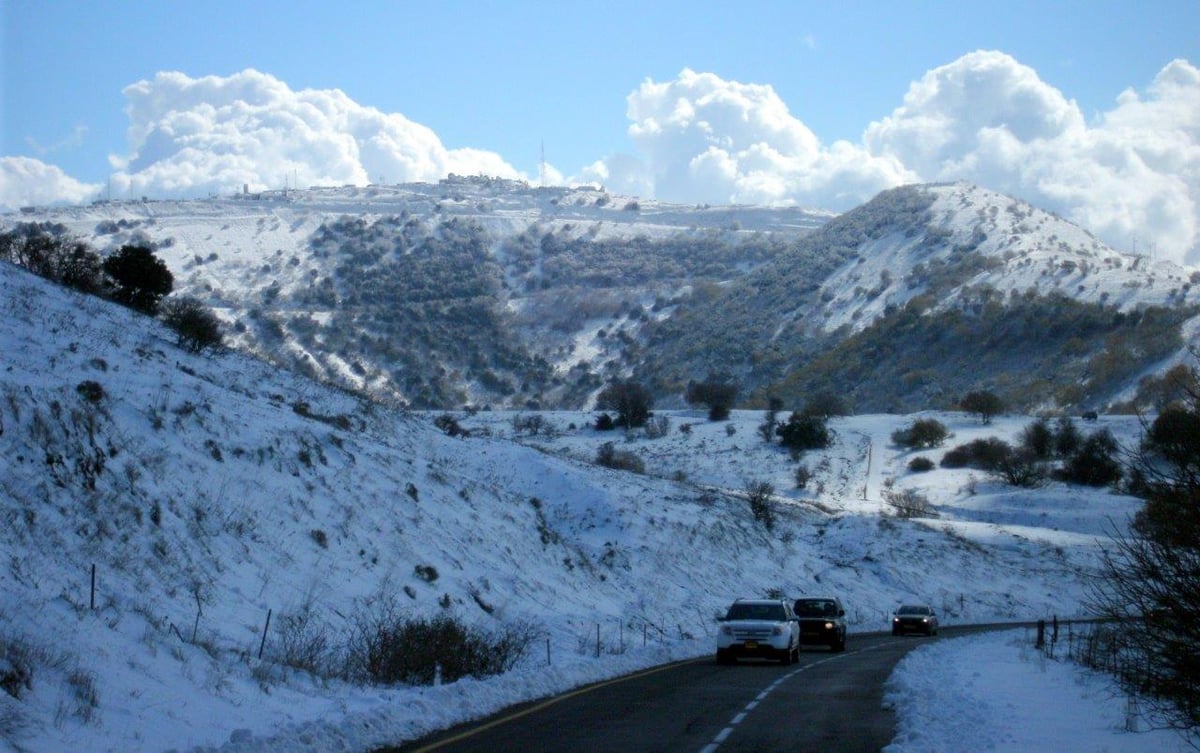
826, 702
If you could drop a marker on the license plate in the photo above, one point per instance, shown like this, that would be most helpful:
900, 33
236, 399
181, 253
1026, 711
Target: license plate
751, 644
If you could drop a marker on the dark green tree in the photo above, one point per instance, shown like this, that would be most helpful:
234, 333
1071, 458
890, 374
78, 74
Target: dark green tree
1038, 439
196, 326
1066, 437
1094, 462
631, 401
802, 432
716, 392
922, 433
826, 404
139, 278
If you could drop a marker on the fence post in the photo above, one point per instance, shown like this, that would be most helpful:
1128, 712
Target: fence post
1041, 634
547, 652
199, 611
266, 627
93, 602
597, 640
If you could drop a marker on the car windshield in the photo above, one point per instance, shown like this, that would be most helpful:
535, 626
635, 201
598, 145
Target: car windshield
756, 612
914, 610
816, 608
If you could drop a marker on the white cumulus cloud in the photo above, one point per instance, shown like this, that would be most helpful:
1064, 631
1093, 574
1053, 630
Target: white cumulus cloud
1132, 173
25, 181
706, 139
194, 136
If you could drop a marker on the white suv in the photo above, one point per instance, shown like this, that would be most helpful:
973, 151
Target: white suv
764, 628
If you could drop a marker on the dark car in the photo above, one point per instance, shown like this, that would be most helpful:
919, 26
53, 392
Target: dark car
915, 618
822, 622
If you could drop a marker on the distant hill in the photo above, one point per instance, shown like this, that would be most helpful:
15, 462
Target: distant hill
488, 292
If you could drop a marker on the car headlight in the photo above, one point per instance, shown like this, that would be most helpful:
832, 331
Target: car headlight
829, 626
895, 619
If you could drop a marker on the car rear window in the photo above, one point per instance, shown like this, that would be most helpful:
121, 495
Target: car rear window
815, 608
755, 612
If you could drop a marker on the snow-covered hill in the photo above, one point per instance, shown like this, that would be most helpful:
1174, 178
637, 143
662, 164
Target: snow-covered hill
492, 292
209, 492
1015, 249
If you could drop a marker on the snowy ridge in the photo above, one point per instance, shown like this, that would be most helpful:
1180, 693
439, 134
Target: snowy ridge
254, 259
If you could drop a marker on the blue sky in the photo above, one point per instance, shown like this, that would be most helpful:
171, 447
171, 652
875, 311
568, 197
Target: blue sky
506, 78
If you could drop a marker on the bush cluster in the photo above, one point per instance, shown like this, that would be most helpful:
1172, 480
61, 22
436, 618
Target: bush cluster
758, 495
132, 276
1091, 460
418, 650
922, 433
623, 460
908, 503
803, 431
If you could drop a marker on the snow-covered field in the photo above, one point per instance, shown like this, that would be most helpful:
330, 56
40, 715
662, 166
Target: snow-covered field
212, 491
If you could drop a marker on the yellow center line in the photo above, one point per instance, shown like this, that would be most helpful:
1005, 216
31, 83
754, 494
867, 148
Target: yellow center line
550, 702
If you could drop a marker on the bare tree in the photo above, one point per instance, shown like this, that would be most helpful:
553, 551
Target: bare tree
982, 403
1151, 576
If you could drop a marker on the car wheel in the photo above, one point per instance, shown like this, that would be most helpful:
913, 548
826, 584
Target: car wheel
723, 657
895, 631
840, 646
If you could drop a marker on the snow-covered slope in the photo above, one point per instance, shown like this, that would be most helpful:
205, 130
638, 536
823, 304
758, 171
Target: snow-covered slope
1015, 249
209, 492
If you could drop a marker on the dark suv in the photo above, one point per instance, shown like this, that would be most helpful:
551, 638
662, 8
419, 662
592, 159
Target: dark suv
822, 621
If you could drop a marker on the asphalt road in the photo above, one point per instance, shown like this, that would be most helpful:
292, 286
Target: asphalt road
826, 702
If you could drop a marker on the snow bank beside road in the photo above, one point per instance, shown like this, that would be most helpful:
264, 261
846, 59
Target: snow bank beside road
995, 692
